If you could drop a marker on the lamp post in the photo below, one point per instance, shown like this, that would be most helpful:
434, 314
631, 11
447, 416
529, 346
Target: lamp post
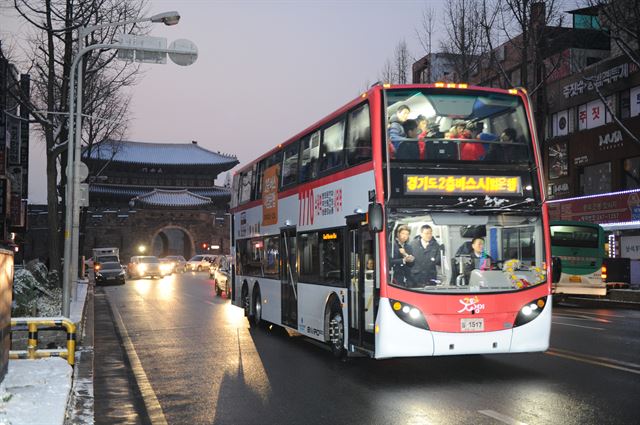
72, 210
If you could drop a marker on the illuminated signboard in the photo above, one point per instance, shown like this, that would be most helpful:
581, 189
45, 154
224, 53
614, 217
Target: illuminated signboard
329, 236
420, 184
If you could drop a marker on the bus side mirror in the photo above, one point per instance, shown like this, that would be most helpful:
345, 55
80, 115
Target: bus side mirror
376, 217
556, 269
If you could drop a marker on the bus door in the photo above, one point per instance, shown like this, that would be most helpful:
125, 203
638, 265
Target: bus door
289, 277
361, 282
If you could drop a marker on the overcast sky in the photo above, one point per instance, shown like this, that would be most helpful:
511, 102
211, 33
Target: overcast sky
266, 70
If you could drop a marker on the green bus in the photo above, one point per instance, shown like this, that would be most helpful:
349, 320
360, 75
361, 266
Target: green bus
580, 247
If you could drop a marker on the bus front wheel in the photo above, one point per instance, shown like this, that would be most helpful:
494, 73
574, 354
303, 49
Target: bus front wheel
246, 302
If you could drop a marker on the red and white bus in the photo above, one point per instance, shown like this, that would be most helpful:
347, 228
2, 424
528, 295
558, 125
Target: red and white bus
316, 220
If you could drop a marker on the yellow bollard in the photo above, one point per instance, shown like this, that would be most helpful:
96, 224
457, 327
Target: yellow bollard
32, 344
71, 343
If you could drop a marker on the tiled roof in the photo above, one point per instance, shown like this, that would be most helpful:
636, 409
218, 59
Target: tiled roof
129, 192
159, 153
172, 198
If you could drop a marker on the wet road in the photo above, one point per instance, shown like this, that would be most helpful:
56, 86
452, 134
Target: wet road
200, 364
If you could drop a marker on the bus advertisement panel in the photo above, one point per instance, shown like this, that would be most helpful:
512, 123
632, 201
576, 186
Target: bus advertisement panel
580, 247
410, 222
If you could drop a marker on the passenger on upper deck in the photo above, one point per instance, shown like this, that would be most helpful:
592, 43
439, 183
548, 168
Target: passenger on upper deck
423, 123
396, 130
472, 151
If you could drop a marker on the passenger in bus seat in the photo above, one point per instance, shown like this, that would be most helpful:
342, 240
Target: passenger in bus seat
402, 257
427, 256
396, 129
506, 150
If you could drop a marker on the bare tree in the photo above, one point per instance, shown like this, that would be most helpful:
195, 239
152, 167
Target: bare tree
401, 62
427, 29
465, 41
53, 25
396, 71
387, 74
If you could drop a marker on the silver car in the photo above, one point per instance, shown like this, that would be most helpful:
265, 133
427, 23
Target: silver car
144, 266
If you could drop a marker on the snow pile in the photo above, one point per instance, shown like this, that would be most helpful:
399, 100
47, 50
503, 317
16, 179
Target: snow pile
35, 392
36, 292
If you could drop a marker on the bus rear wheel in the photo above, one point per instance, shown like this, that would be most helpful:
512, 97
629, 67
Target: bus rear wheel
256, 320
336, 332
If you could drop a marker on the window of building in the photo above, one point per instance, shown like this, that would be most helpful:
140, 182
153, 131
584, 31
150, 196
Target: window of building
271, 262
631, 173
332, 146
290, 164
611, 105
310, 153
634, 101
624, 104
595, 179
359, 136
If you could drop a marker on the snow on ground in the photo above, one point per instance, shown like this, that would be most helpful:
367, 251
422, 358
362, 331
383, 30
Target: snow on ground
34, 392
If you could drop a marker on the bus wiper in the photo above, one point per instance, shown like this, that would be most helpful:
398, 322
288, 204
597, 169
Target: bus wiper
526, 201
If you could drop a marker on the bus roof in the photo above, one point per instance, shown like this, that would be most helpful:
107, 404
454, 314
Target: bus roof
368, 94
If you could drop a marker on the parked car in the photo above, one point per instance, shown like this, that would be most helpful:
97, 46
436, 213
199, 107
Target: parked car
144, 266
109, 272
201, 262
178, 262
222, 275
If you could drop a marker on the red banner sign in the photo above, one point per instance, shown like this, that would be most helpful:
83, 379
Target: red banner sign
601, 209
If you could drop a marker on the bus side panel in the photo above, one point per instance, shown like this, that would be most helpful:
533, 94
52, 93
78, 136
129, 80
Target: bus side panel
534, 336
312, 301
271, 300
397, 338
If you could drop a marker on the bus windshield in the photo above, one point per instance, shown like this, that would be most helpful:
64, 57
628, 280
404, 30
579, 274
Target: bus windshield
458, 252
575, 236
436, 125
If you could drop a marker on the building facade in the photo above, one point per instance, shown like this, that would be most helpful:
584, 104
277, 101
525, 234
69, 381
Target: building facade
150, 198
14, 154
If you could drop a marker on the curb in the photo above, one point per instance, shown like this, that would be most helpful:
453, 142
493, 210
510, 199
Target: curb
79, 408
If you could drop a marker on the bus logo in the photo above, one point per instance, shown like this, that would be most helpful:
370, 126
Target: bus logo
471, 304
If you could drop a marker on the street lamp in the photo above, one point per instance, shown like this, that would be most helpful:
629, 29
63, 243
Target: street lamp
142, 249
71, 237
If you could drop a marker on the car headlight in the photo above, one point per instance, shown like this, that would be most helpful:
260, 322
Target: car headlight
142, 268
409, 314
530, 311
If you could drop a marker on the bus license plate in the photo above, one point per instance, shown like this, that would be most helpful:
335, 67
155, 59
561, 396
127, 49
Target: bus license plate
575, 279
471, 325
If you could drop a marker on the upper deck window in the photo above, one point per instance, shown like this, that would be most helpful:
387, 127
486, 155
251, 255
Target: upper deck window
310, 153
333, 146
457, 125
359, 136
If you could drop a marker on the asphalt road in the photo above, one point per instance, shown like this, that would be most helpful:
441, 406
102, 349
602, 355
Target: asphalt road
199, 363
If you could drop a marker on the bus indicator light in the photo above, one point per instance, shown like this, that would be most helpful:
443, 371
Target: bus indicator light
463, 86
439, 85
451, 85
513, 91
603, 272
397, 306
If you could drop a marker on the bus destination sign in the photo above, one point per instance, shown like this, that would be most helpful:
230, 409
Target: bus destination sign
420, 184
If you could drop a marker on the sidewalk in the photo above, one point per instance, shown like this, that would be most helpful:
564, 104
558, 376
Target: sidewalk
37, 392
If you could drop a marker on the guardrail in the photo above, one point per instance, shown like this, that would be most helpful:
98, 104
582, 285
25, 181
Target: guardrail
32, 324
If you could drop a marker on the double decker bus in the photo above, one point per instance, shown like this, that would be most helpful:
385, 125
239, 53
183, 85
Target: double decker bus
580, 248
389, 244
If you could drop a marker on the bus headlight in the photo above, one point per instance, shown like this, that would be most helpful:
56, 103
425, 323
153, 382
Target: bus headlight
409, 314
530, 311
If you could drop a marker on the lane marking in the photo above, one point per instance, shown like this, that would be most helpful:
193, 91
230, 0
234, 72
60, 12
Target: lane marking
581, 317
500, 417
594, 360
577, 326
154, 410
